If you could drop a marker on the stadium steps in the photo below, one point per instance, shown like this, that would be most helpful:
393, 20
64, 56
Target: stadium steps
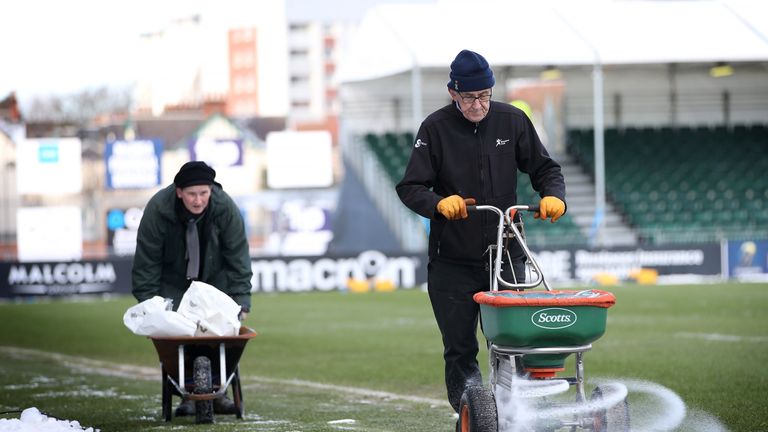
580, 195
685, 184
364, 155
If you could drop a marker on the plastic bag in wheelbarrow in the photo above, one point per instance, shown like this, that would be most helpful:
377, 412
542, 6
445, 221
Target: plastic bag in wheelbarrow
153, 318
203, 311
214, 312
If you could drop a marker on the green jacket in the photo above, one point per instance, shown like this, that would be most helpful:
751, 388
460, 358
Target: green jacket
159, 265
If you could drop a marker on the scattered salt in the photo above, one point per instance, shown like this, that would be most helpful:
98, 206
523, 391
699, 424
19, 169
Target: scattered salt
32, 420
342, 421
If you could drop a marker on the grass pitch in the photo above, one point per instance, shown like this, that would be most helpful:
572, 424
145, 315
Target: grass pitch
372, 362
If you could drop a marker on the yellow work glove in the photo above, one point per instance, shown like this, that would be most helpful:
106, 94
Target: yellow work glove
550, 207
454, 207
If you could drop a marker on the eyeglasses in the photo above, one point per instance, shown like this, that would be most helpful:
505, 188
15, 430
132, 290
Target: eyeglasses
470, 99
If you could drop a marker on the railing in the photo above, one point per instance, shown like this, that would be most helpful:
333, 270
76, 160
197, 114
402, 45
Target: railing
661, 236
406, 225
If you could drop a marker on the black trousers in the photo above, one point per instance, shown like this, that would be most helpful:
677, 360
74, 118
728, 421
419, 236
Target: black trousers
451, 287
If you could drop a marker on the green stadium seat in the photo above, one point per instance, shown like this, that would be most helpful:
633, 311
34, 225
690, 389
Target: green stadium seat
684, 180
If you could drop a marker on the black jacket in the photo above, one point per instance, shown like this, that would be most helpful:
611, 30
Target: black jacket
453, 156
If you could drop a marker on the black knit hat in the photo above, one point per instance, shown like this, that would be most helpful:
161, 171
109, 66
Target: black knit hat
194, 173
470, 72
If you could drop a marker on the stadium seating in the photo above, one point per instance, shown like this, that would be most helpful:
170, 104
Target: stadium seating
685, 184
393, 150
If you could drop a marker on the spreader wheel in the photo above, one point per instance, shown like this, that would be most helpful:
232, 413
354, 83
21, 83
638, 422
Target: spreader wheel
477, 411
614, 418
203, 384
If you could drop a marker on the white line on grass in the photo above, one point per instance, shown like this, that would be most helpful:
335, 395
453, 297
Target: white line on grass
100, 367
348, 390
717, 337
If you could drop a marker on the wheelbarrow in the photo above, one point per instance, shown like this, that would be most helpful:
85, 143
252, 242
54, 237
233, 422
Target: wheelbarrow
188, 364
530, 335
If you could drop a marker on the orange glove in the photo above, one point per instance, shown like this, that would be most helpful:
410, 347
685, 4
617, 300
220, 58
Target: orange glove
550, 207
454, 207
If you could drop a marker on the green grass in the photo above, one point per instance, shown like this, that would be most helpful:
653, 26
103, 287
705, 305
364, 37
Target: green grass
386, 342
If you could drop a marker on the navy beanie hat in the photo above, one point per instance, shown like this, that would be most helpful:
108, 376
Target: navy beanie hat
470, 72
194, 173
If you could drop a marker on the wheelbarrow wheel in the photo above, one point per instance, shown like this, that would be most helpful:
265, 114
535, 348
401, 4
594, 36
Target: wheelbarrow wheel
477, 411
237, 394
167, 396
203, 384
610, 419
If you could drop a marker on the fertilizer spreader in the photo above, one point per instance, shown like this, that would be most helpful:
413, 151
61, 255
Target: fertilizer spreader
530, 335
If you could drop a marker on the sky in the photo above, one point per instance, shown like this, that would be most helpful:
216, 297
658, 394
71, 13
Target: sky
62, 47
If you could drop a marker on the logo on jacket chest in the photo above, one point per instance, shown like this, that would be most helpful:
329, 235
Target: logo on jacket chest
419, 143
501, 142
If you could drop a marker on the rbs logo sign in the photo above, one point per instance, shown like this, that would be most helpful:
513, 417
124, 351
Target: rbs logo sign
554, 318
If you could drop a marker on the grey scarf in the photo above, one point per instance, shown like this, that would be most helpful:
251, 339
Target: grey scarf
193, 249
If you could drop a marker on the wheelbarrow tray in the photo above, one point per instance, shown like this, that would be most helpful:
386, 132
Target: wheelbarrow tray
177, 353
168, 349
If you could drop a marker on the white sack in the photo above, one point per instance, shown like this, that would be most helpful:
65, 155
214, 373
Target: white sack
150, 318
214, 312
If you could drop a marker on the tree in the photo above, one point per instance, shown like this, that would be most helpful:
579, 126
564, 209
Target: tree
78, 108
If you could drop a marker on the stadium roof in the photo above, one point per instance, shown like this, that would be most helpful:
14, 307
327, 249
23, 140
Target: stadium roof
392, 38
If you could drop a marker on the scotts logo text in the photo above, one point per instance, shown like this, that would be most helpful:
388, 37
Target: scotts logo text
554, 318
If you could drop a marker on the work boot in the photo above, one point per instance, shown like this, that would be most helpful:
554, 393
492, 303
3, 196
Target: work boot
185, 408
224, 405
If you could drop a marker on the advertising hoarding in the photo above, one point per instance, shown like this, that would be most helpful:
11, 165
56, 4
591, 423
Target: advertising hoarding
49, 166
748, 260
133, 164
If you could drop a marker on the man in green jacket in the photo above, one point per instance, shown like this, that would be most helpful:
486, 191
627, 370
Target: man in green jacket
192, 230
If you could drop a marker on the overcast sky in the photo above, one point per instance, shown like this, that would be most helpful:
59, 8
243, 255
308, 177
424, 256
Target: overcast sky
55, 46
335, 10
64, 46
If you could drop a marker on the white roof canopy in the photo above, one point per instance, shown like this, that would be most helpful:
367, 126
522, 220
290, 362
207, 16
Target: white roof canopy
394, 38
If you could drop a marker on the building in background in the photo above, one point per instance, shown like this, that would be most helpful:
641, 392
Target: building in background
243, 95
235, 60
315, 49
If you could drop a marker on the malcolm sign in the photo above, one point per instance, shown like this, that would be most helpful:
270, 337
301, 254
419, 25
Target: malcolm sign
63, 278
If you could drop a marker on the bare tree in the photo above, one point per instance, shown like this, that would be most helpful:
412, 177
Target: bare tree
78, 108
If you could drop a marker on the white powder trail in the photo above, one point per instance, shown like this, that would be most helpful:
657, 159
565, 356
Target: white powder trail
99, 367
654, 408
665, 412
718, 337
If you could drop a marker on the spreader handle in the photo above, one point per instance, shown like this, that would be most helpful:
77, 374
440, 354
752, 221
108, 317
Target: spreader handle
505, 221
529, 208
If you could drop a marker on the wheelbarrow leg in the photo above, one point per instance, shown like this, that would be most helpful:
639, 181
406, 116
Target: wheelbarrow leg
237, 394
167, 396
